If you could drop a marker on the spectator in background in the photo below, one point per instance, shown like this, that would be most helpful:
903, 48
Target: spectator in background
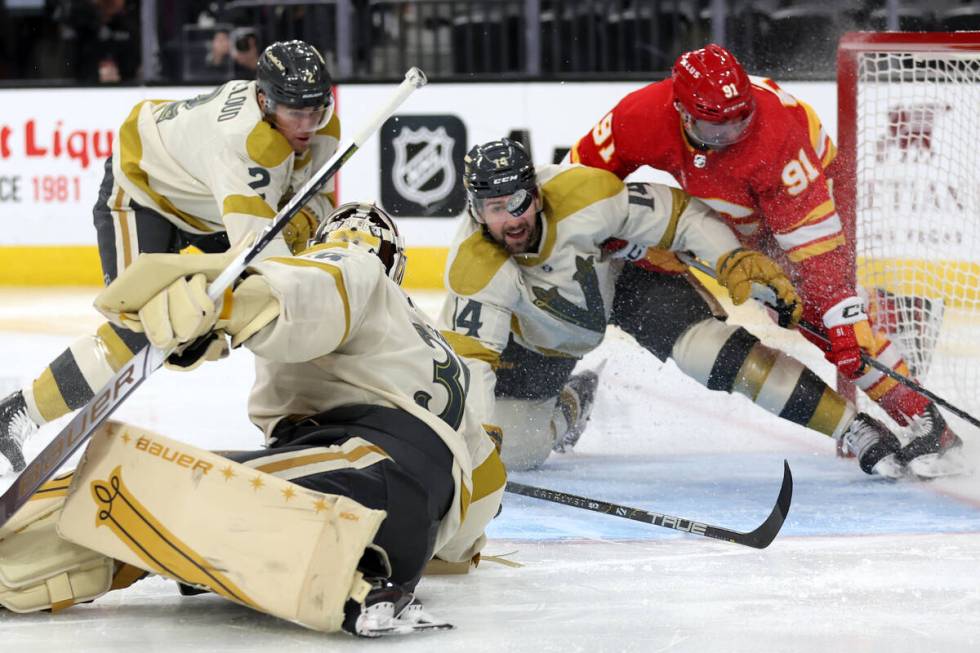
245, 51
103, 38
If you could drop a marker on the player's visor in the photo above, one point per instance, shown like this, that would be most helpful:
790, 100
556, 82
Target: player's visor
718, 134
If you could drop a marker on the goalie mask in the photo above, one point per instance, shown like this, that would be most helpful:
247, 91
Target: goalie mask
293, 74
367, 227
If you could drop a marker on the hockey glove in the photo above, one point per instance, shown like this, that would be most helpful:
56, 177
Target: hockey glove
183, 312
849, 333
299, 230
740, 268
179, 313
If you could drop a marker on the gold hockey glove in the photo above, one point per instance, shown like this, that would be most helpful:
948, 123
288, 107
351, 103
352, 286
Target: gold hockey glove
740, 268
299, 230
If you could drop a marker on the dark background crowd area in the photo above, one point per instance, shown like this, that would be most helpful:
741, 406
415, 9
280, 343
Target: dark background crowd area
91, 42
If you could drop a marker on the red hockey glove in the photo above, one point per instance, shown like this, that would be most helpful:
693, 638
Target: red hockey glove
850, 334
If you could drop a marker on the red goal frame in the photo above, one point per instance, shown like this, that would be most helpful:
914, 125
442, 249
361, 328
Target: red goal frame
851, 45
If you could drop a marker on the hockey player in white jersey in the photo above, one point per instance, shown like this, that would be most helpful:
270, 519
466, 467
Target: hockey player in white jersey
531, 290
376, 461
203, 172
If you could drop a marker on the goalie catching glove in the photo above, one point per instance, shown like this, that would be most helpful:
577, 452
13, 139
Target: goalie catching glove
740, 268
165, 297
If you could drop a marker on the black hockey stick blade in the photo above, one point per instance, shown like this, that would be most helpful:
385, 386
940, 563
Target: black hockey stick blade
759, 538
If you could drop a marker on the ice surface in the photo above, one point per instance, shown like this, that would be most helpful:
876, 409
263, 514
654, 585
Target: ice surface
862, 564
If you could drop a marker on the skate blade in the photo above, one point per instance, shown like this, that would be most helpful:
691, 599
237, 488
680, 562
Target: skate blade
889, 467
936, 465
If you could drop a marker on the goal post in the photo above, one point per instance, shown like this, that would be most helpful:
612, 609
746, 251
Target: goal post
907, 185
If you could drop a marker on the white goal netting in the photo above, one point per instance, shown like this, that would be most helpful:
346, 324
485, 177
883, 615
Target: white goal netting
918, 211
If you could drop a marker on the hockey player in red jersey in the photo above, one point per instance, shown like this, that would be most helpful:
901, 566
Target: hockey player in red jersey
762, 159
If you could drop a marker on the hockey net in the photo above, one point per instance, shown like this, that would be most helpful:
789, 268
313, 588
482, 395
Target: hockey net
909, 195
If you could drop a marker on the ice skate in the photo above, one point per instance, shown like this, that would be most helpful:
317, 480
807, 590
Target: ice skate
577, 399
875, 447
15, 427
934, 450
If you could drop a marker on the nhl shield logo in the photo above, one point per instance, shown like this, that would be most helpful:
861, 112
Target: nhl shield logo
423, 170
421, 165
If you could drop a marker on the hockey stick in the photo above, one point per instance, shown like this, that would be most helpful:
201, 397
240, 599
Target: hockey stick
146, 361
765, 296
760, 538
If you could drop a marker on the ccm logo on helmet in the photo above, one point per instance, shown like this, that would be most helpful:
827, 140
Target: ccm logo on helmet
504, 180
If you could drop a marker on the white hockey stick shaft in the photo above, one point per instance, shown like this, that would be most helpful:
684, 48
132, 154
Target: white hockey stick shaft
148, 359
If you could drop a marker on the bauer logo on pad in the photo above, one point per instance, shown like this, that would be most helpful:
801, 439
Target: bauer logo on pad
421, 162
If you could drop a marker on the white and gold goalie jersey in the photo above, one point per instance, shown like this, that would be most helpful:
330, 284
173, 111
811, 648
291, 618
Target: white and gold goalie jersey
212, 163
558, 299
346, 334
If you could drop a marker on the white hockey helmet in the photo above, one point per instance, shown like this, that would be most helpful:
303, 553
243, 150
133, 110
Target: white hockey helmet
366, 226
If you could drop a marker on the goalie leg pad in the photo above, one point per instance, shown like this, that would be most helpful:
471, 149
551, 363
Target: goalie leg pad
40, 570
207, 521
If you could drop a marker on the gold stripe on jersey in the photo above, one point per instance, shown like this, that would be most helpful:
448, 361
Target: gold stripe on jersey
678, 204
469, 347
117, 352
48, 398
566, 194
266, 146
829, 412
342, 454
819, 139
475, 264
488, 477
815, 249
122, 218
131, 153
464, 501
816, 215
754, 371
252, 205
333, 271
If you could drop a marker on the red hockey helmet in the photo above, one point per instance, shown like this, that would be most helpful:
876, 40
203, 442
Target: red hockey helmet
713, 94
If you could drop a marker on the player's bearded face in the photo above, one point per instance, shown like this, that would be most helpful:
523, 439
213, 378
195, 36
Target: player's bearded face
516, 233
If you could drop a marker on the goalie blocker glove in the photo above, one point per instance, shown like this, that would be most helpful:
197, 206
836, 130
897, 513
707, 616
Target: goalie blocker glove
388, 609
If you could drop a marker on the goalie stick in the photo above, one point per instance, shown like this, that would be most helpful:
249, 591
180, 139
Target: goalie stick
765, 296
759, 538
146, 361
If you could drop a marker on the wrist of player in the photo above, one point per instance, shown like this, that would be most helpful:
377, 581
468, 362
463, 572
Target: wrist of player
849, 335
248, 309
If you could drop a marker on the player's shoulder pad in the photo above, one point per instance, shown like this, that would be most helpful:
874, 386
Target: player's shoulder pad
573, 187
332, 128
266, 146
474, 264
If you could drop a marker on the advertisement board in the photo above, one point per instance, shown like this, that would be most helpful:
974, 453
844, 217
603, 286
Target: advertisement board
53, 143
